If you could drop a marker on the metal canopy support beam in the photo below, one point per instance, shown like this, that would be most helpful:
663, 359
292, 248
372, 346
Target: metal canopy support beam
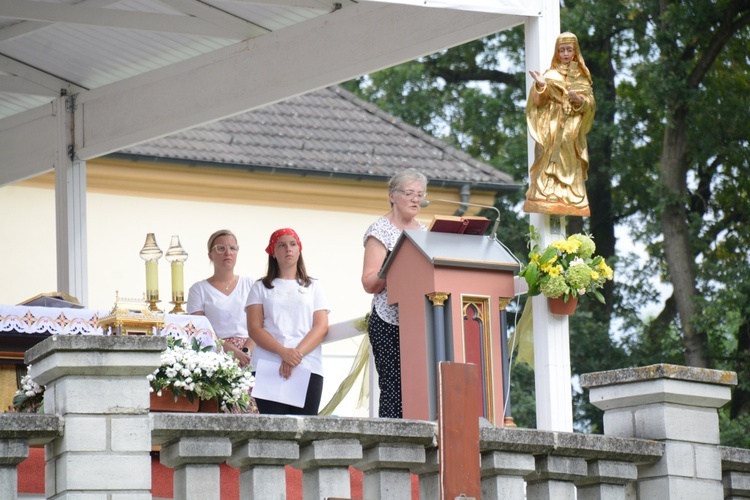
271, 68
70, 206
552, 373
515, 7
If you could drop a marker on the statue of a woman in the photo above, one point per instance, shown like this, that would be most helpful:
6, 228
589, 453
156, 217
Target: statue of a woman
559, 113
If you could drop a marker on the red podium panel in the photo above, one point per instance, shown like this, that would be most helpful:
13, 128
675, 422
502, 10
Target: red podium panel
476, 272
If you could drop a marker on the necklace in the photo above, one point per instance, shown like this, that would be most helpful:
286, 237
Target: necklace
226, 288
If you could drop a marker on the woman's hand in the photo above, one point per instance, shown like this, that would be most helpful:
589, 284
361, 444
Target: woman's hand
242, 357
290, 356
285, 370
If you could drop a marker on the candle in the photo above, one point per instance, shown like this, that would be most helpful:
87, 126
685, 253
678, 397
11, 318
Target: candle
178, 281
177, 256
152, 278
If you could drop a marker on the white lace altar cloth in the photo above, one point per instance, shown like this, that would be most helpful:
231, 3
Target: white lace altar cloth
66, 321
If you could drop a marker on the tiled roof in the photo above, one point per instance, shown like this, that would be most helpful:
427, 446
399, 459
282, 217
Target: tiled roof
327, 132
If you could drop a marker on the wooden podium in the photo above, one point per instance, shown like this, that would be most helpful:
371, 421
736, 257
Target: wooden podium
450, 289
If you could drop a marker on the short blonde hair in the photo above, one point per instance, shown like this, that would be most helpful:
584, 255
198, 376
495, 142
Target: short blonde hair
410, 174
220, 232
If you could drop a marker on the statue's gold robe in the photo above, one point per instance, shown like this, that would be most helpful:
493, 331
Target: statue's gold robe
559, 128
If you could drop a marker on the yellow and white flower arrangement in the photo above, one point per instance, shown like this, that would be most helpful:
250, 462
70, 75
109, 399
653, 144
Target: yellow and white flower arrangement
566, 268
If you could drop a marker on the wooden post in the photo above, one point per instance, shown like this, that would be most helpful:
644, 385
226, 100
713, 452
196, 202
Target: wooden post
458, 431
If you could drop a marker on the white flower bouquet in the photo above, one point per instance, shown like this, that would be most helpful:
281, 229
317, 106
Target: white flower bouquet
198, 371
29, 398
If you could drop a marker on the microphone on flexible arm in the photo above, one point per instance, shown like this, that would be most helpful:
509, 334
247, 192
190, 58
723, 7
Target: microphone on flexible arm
492, 235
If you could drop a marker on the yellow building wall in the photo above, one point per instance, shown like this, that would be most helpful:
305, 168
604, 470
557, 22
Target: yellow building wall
126, 200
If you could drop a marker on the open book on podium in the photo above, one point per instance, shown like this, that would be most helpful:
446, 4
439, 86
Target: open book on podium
468, 224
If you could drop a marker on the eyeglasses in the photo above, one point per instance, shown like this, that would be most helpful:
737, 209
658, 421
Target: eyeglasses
411, 194
223, 248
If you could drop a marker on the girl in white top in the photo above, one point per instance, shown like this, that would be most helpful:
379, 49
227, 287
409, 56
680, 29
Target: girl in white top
222, 297
287, 317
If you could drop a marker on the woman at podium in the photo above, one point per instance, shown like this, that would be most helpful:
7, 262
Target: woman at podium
406, 191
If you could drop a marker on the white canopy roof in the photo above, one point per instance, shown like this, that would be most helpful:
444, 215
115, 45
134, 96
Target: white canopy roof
81, 79
141, 69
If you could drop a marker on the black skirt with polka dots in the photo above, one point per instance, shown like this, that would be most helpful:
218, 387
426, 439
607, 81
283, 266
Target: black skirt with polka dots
384, 338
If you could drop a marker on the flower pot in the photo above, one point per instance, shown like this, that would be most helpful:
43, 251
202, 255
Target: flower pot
166, 402
559, 306
208, 406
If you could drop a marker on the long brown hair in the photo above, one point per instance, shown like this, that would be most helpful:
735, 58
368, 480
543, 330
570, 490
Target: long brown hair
273, 271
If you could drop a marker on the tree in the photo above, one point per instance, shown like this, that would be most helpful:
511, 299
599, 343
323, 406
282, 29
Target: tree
669, 159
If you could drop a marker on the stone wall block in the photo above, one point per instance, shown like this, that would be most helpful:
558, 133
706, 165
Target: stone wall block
662, 383
386, 483
606, 480
264, 452
261, 463
558, 467
554, 477
13, 451
503, 472
326, 482
707, 462
325, 466
197, 482
550, 490
328, 452
678, 460
510, 463
610, 471
94, 355
50, 475
602, 491
391, 456
387, 469
113, 395
91, 472
196, 450
736, 484
130, 434
686, 460
683, 423
82, 433
428, 472
263, 481
130, 496
679, 488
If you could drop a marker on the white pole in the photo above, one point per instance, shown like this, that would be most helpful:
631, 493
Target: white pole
554, 406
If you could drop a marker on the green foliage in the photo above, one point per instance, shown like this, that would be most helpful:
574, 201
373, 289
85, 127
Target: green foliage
655, 65
522, 396
734, 431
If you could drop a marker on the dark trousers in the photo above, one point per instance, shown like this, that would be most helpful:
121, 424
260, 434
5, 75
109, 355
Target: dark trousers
312, 401
386, 349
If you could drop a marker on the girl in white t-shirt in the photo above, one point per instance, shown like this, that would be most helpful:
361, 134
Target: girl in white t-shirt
287, 317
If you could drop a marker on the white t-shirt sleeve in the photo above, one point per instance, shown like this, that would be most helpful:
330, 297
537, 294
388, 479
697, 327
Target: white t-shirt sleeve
319, 301
256, 294
195, 298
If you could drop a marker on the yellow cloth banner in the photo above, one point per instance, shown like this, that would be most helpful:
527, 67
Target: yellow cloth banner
360, 365
523, 336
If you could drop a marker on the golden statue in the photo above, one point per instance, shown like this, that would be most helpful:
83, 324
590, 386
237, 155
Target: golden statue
559, 113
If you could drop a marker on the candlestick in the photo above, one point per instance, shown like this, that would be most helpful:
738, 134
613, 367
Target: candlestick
177, 256
151, 253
